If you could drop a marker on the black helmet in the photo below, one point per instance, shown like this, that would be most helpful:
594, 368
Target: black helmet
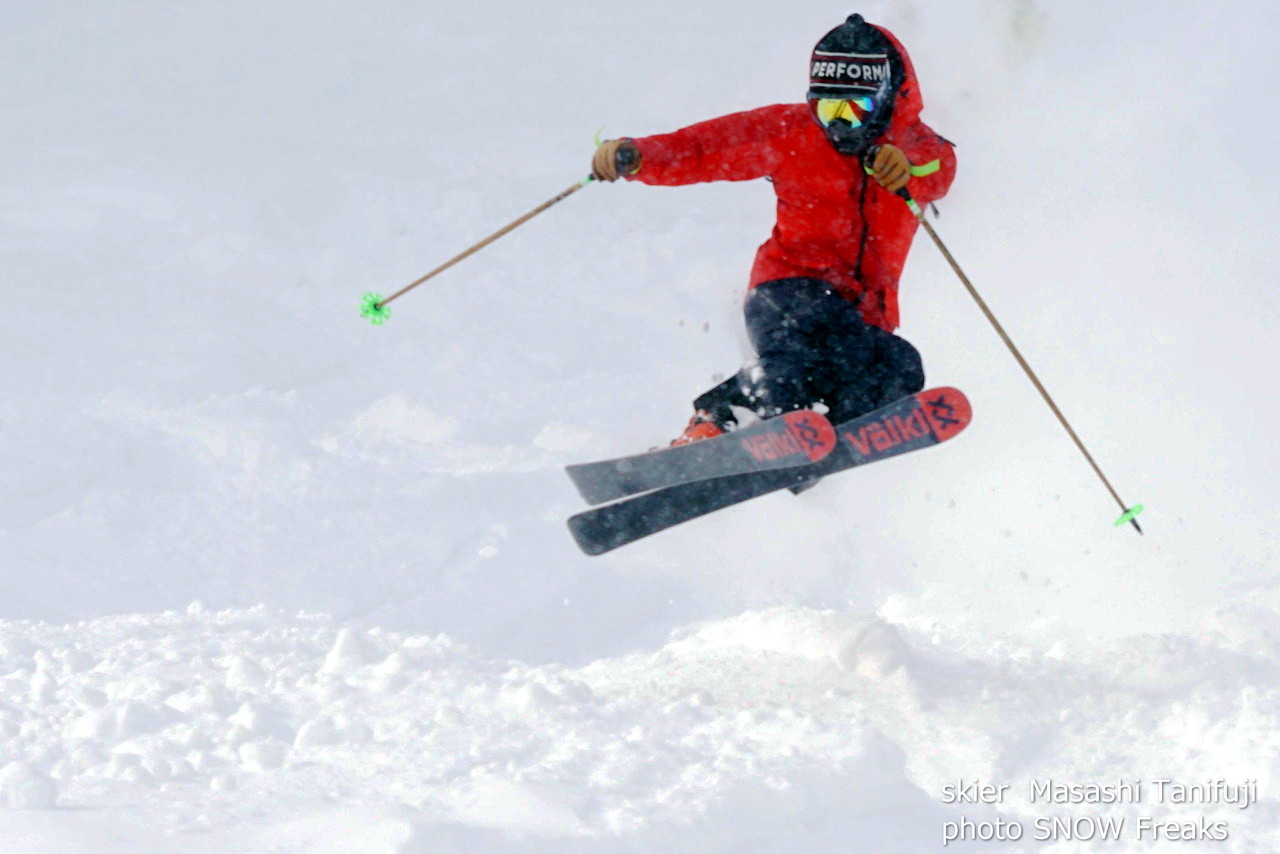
856, 60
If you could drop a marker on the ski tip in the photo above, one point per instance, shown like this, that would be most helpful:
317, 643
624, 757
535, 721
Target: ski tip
591, 545
947, 409
813, 433
589, 490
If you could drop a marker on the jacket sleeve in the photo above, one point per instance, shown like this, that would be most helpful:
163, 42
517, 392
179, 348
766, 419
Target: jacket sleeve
933, 161
737, 147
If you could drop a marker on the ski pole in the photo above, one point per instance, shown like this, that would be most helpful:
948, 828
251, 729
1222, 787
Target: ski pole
1130, 513
374, 307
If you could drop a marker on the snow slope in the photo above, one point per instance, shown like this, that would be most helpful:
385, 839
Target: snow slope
193, 198
780, 729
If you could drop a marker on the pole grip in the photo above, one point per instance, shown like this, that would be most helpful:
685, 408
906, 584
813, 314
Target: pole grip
868, 163
911, 203
627, 159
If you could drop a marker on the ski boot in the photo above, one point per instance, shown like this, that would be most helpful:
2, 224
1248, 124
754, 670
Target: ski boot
703, 425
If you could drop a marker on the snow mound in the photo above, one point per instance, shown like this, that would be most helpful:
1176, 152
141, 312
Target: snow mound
820, 720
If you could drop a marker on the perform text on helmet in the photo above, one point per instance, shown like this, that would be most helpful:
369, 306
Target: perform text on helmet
849, 70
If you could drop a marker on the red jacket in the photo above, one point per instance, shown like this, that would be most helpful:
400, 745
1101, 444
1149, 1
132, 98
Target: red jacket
834, 221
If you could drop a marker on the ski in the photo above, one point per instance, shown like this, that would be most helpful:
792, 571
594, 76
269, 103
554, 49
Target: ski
796, 439
911, 423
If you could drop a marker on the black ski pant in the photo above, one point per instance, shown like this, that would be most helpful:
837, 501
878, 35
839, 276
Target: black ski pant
813, 346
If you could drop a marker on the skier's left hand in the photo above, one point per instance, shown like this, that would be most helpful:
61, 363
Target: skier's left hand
891, 168
614, 159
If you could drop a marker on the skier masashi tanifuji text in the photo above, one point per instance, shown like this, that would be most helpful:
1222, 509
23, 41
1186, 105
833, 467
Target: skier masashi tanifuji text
823, 299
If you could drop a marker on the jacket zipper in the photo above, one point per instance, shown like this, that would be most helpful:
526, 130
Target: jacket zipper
862, 216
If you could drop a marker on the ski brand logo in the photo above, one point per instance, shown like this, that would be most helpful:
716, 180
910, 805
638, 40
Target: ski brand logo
889, 433
768, 447
947, 409
913, 422
942, 412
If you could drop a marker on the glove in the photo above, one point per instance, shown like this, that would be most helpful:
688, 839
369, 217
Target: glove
615, 158
891, 169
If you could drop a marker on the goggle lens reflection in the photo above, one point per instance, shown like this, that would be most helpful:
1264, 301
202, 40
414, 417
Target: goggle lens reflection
852, 110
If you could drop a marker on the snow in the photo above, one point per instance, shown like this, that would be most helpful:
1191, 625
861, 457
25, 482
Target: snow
277, 580
839, 722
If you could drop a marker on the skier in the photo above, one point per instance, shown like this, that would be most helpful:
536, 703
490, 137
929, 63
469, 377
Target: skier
823, 298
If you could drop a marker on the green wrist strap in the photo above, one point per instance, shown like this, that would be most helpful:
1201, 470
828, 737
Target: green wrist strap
927, 169
916, 171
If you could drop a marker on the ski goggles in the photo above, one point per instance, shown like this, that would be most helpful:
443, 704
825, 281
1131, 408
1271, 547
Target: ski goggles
852, 110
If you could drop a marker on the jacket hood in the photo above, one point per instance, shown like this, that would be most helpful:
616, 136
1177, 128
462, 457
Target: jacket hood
907, 102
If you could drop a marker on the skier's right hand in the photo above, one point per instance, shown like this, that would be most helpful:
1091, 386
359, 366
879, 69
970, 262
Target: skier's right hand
615, 158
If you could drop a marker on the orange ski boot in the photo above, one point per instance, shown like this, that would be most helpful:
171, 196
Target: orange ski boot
701, 426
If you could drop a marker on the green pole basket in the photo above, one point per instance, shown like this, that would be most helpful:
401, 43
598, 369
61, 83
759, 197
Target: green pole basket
1129, 515
371, 308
